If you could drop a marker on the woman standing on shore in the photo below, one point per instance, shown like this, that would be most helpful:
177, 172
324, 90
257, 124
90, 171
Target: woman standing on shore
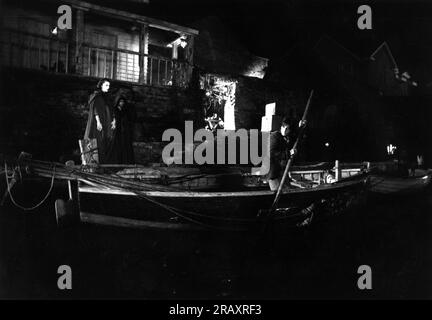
101, 123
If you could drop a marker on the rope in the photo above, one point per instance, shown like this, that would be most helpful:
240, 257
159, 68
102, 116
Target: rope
178, 212
169, 208
37, 205
184, 214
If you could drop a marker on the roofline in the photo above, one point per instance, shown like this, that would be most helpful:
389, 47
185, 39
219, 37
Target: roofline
388, 50
338, 44
132, 17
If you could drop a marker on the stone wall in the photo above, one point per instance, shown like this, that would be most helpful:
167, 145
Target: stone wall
46, 114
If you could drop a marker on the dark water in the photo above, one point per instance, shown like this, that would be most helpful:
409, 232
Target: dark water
391, 235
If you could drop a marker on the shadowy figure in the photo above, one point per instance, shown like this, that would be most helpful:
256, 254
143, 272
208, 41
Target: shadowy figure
122, 148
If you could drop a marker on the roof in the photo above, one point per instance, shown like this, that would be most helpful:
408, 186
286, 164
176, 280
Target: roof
334, 42
384, 46
131, 16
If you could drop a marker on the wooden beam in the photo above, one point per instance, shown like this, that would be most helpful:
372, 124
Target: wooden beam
133, 223
202, 194
79, 40
128, 16
143, 49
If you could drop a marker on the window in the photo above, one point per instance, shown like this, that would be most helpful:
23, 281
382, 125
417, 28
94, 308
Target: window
128, 63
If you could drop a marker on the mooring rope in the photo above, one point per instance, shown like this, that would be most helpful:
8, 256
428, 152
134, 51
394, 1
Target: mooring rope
20, 206
239, 223
183, 213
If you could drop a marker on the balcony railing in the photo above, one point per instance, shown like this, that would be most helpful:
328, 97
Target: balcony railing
34, 51
51, 54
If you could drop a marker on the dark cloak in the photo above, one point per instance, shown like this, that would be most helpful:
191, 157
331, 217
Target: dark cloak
99, 105
279, 150
122, 148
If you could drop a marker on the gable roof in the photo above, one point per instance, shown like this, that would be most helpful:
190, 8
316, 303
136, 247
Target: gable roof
384, 46
325, 37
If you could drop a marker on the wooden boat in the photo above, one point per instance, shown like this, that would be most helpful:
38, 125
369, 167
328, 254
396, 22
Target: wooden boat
390, 178
156, 199
395, 185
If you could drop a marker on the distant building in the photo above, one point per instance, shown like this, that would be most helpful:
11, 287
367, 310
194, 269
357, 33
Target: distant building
384, 73
354, 112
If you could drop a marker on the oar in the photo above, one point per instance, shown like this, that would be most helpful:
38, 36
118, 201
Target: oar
290, 160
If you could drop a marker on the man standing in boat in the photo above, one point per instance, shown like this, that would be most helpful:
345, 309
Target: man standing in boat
280, 142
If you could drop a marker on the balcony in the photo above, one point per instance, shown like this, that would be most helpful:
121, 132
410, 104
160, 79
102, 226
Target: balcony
50, 53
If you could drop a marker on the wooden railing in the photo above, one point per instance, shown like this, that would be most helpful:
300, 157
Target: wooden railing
48, 53
28, 50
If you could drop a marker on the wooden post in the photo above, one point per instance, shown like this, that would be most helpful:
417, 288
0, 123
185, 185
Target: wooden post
97, 62
89, 62
190, 49
79, 39
58, 56
151, 71
189, 57
337, 170
174, 54
68, 212
158, 71
112, 64
67, 59
143, 49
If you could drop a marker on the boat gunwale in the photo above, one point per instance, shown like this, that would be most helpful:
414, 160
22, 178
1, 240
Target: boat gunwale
426, 176
212, 194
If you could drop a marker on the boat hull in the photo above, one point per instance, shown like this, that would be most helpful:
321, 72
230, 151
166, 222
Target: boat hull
239, 210
383, 184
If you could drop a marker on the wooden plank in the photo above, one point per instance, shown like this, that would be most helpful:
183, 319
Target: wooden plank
89, 152
151, 71
89, 61
192, 194
124, 15
67, 58
79, 39
143, 49
112, 64
132, 223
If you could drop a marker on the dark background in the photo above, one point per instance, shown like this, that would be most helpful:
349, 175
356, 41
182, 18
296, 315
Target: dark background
391, 235
267, 28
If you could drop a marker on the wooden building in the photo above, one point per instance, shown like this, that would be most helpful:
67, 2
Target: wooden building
103, 42
168, 72
48, 74
354, 112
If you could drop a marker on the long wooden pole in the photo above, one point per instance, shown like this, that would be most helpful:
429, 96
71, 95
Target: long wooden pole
290, 160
